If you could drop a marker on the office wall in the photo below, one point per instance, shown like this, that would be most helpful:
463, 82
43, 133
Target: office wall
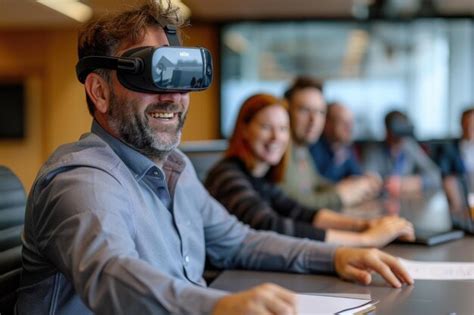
203, 118
56, 111
23, 59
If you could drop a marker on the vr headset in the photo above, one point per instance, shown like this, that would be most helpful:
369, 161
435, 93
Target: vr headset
401, 127
163, 69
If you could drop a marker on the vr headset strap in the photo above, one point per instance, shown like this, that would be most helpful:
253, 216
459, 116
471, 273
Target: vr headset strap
90, 63
171, 33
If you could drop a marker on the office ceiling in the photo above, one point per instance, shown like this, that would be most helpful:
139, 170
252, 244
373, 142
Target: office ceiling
20, 14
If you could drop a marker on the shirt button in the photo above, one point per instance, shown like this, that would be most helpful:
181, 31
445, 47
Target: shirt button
155, 173
186, 260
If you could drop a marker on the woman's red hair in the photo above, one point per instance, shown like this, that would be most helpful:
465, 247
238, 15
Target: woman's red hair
238, 145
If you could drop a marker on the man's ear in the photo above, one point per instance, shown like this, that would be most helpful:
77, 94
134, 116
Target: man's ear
99, 92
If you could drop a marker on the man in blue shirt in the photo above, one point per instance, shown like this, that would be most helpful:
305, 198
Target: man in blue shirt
118, 222
333, 153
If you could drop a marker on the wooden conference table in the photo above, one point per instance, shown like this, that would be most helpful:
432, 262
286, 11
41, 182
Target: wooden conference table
424, 297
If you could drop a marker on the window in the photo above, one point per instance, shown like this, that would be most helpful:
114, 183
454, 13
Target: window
424, 67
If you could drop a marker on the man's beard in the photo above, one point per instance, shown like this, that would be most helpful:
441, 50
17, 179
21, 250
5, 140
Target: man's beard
134, 129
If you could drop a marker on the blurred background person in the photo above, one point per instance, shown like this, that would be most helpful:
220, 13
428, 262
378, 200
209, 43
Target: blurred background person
333, 153
245, 183
302, 180
465, 146
457, 157
403, 164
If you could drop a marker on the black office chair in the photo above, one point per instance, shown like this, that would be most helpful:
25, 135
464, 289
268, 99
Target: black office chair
12, 213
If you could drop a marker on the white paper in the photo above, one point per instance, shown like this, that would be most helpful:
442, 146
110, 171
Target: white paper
359, 296
318, 304
470, 199
439, 270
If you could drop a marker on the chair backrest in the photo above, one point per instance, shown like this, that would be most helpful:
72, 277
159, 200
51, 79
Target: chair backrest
457, 193
204, 154
12, 214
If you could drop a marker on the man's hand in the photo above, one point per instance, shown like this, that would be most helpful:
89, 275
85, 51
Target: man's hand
357, 264
349, 192
355, 190
264, 299
375, 181
402, 185
384, 230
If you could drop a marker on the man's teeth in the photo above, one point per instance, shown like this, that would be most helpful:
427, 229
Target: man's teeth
162, 115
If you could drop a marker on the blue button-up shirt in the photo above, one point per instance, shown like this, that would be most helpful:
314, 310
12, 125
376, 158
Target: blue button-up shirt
100, 237
327, 163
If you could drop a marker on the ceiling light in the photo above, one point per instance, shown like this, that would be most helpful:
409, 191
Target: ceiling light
71, 8
356, 48
236, 42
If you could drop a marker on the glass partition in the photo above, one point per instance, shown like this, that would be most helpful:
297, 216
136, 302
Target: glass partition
424, 67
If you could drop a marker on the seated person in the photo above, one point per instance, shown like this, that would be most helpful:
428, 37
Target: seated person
245, 183
118, 222
457, 157
333, 154
464, 148
302, 180
402, 163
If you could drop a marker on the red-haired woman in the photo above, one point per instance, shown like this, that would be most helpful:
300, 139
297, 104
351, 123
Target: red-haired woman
245, 183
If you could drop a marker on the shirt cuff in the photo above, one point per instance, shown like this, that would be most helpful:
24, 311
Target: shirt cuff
200, 300
321, 257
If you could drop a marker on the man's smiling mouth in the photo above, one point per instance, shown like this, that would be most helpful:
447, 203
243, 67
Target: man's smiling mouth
163, 115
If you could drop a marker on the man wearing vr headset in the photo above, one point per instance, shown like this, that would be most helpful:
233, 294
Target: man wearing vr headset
403, 164
118, 222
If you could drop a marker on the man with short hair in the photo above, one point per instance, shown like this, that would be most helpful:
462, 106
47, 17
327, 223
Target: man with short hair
302, 180
118, 222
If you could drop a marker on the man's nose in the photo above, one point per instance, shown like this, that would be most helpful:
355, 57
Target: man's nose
170, 97
313, 117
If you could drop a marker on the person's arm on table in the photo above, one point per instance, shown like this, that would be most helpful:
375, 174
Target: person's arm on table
266, 298
86, 230
354, 190
241, 199
350, 263
270, 251
357, 264
349, 231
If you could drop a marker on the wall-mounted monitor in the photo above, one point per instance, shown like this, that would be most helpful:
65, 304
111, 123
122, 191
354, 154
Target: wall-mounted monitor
12, 110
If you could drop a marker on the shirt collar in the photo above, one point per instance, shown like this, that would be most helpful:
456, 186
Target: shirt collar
139, 164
